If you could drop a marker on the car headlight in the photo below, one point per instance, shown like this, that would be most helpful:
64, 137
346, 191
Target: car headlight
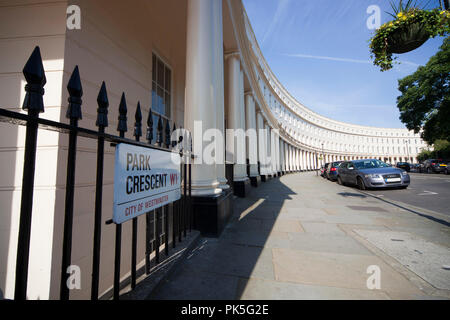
373, 176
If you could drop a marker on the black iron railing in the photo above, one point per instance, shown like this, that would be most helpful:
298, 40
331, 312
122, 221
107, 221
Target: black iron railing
180, 211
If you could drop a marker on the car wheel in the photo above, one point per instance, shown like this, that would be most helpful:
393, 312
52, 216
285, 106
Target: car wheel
339, 181
361, 185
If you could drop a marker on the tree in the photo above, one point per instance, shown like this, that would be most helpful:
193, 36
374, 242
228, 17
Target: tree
441, 151
425, 101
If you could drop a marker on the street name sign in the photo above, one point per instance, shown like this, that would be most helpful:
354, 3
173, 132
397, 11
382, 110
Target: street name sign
144, 179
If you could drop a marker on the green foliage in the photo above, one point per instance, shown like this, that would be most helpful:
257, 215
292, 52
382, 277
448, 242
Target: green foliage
433, 22
441, 151
425, 101
401, 7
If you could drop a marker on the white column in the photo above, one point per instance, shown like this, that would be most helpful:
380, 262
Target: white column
252, 140
313, 158
306, 160
309, 160
236, 118
219, 91
291, 158
199, 100
281, 155
288, 157
305, 165
294, 167
278, 154
261, 142
268, 149
273, 153
295, 159
302, 166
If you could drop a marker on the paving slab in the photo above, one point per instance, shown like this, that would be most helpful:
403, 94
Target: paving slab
336, 270
321, 228
428, 260
328, 243
256, 289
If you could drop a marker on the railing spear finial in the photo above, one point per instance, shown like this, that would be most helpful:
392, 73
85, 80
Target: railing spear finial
102, 111
35, 76
122, 125
138, 123
75, 93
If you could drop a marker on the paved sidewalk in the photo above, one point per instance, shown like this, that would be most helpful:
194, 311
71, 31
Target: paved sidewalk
302, 237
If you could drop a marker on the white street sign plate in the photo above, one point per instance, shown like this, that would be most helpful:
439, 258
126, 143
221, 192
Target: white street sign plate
144, 180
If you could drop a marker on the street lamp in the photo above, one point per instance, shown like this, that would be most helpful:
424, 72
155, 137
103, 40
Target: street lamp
323, 155
407, 147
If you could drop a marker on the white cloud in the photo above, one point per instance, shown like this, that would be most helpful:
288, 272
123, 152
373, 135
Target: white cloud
307, 56
280, 15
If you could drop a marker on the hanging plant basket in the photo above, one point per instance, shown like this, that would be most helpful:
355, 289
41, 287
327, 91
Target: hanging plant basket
408, 39
410, 30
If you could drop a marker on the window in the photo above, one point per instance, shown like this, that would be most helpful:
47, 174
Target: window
161, 106
161, 87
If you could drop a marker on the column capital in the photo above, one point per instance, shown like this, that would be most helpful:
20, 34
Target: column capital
249, 93
232, 54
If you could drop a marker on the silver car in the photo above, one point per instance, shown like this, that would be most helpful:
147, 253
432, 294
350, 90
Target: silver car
372, 173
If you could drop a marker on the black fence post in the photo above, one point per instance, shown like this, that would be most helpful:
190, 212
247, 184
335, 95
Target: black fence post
137, 135
102, 123
175, 204
183, 198
166, 208
122, 128
74, 114
159, 142
148, 214
34, 103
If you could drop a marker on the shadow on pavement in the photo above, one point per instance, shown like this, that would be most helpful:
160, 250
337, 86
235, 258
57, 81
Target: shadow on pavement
220, 268
349, 194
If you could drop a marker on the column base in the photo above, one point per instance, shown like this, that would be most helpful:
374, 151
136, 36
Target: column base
255, 181
211, 213
241, 188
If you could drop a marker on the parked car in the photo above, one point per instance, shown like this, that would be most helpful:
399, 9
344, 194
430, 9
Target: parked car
323, 170
331, 173
404, 165
415, 167
434, 166
447, 168
371, 173
421, 168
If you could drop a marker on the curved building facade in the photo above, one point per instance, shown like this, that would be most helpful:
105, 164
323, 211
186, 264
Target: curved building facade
308, 132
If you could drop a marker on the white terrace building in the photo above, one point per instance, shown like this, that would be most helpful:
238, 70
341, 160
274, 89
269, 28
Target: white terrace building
187, 60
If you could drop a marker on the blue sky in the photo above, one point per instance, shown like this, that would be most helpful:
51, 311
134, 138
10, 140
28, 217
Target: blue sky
319, 50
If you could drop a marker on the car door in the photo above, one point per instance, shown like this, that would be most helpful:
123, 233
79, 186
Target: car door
343, 171
351, 173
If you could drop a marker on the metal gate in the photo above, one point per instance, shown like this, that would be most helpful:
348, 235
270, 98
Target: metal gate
157, 221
